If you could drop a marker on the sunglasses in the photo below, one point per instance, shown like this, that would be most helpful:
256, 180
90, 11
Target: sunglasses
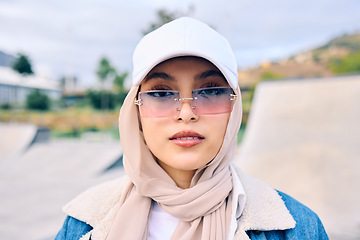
167, 103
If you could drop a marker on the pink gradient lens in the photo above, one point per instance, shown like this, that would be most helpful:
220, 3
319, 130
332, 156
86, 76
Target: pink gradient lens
159, 103
213, 101
206, 101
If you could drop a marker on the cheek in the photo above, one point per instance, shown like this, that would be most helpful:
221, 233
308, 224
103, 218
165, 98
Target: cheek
218, 127
147, 129
153, 131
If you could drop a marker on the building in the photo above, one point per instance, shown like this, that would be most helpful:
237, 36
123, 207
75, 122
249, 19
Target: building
14, 87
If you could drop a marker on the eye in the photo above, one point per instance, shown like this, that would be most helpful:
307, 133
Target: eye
161, 94
212, 91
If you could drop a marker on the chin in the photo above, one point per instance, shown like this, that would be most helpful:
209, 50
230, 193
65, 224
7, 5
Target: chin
190, 163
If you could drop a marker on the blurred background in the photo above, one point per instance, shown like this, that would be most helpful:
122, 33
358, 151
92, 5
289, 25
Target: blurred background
65, 68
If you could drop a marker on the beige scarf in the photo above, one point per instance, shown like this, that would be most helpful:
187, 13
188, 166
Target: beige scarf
204, 209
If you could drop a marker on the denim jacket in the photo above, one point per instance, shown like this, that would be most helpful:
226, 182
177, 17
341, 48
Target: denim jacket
268, 214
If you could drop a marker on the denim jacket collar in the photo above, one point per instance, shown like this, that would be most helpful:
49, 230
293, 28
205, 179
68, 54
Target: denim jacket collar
264, 209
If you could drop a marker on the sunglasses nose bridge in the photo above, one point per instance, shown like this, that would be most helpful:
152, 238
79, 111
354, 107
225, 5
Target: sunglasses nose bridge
185, 101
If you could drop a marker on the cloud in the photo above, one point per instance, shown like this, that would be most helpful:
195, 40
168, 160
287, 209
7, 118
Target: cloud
69, 37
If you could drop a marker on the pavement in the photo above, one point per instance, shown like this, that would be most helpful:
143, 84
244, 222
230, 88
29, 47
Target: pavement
303, 137
35, 185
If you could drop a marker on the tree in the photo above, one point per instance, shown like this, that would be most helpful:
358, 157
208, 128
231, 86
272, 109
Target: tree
120, 88
104, 69
347, 64
165, 16
104, 72
119, 81
106, 99
96, 99
22, 65
37, 101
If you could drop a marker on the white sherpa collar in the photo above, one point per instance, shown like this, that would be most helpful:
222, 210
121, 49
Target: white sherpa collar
97, 207
264, 208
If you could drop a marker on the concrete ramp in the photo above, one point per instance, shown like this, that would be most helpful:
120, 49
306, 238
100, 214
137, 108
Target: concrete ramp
35, 186
14, 139
303, 137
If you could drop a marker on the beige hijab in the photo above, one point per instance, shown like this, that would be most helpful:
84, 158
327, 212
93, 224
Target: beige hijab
204, 209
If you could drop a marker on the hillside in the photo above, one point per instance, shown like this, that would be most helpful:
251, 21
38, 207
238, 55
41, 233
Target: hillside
351, 42
308, 64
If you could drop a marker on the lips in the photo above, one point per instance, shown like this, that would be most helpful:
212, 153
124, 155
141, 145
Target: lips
187, 139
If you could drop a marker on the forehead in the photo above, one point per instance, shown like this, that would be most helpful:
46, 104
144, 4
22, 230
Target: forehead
197, 66
179, 62
185, 59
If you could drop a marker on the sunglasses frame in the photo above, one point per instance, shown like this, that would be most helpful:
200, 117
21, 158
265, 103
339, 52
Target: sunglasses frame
232, 97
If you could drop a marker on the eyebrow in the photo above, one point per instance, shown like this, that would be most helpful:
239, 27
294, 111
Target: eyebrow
165, 76
161, 75
210, 73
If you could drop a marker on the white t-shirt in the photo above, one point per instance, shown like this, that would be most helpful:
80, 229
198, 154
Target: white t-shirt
162, 224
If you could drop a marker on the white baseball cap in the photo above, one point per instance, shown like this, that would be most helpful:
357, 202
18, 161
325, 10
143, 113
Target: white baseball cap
184, 36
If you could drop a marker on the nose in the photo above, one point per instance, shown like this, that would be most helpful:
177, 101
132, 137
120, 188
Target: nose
186, 112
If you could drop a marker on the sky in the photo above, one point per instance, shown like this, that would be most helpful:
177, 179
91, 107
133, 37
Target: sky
66, 38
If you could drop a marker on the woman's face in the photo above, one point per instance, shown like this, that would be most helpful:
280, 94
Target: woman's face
186, 142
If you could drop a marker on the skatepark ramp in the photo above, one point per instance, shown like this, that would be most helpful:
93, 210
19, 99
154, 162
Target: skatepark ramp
15, 138
303, 137
35, 184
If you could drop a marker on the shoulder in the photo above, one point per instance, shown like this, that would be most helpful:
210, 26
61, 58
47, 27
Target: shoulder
93, 209
273, 213
95, 201
307, 221
295, 207
73, 229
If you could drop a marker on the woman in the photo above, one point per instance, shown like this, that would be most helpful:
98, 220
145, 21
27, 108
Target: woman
178, 128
